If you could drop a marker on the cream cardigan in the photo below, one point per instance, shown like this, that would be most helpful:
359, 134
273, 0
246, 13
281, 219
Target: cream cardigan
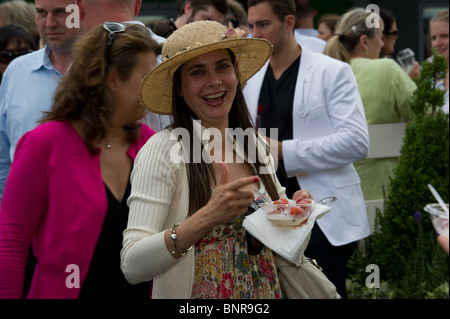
159, 199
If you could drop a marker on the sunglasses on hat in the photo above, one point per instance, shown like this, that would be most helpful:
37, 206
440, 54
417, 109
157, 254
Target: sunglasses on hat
7, 56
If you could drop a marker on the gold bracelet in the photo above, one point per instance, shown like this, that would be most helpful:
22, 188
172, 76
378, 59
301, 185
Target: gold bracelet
177, 250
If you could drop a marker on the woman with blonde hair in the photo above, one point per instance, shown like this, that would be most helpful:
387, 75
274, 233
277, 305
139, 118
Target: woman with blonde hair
385, 88
67, 189
439, 42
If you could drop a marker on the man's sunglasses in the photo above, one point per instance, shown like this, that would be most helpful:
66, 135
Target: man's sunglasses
7, 56
113, 28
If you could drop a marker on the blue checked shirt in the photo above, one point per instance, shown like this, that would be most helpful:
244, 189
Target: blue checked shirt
26, 91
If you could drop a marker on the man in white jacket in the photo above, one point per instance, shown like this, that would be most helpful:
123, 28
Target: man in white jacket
314, 102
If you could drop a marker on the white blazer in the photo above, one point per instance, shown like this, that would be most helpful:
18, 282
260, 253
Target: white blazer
330, 133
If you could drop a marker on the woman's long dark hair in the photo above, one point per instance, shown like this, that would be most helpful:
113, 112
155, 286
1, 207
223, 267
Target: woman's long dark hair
201, 174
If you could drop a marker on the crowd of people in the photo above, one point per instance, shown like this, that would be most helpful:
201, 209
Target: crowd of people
91, 118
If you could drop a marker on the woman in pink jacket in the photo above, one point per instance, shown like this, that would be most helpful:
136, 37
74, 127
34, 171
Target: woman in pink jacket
66, 193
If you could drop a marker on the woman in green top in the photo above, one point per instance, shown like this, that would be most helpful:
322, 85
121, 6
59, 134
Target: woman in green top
385, 88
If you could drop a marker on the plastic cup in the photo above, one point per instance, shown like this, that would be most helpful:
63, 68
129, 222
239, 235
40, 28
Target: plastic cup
406, 59
438, 218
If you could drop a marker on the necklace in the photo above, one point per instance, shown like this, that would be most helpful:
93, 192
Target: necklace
108, 145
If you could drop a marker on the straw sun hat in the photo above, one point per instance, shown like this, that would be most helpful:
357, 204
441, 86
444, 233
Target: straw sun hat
193, 40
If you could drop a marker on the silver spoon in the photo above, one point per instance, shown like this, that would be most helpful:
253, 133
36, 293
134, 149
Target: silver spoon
324, 201
327, 201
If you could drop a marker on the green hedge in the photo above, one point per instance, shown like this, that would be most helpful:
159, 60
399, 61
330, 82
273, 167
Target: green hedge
404, 246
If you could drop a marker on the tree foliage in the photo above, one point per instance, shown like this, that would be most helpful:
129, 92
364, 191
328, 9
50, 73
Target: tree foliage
404, 243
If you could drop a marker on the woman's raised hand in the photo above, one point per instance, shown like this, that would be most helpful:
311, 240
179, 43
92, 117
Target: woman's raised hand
301, 194
230, 199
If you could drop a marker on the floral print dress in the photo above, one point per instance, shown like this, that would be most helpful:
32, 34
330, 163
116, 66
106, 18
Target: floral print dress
225, 270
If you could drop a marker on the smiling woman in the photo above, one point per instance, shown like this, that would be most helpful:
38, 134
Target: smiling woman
439, 33
439, 41
185, 227
208, 84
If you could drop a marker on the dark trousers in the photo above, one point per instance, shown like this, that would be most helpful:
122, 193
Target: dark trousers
332, 259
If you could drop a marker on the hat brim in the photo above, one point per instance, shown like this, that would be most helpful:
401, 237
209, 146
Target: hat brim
155, 92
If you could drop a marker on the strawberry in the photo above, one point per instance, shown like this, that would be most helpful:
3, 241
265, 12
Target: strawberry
304, 201
305, 204
281, 201
297, 211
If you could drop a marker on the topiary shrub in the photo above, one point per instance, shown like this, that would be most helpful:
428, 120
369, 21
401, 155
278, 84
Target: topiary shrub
404, 242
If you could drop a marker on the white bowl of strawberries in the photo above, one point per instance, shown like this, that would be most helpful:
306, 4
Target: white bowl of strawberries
286, 212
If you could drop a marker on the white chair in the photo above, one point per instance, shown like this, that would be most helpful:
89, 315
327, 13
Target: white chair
386, 140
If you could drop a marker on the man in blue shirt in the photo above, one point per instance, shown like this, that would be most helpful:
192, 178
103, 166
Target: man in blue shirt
29, 82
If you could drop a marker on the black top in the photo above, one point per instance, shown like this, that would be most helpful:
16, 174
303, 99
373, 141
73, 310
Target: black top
105, 278
276, 102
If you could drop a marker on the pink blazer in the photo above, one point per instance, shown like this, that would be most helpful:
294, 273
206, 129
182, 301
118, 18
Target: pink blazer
54, 199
